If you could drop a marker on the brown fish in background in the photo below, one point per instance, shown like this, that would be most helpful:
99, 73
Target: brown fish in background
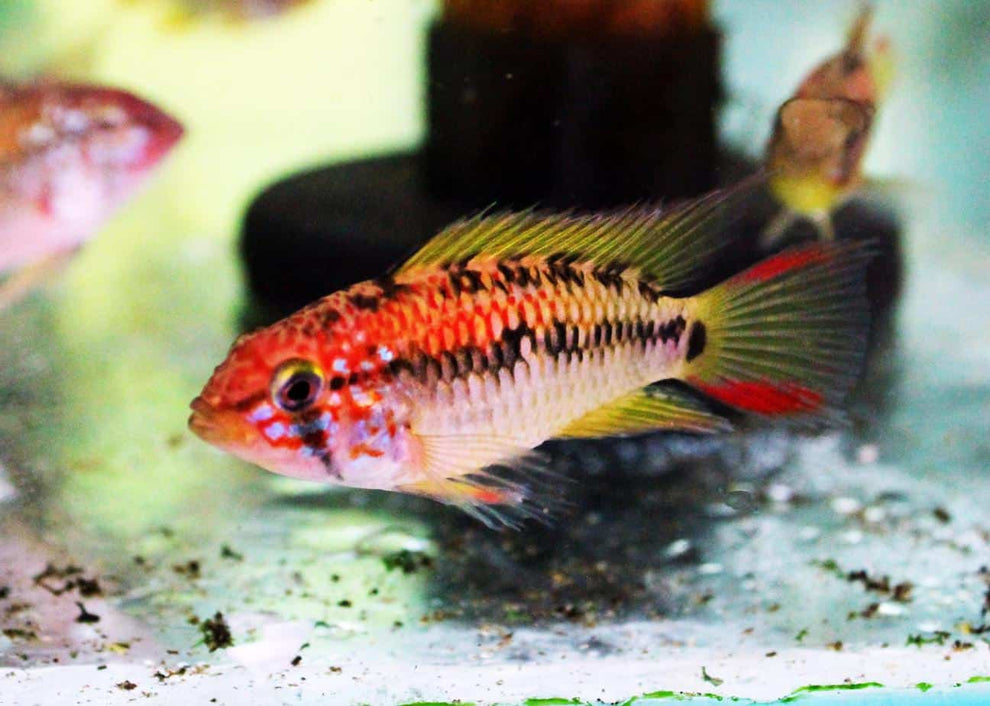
814, 157
70, 155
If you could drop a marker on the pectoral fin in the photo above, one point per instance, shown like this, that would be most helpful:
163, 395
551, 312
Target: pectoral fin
499, 481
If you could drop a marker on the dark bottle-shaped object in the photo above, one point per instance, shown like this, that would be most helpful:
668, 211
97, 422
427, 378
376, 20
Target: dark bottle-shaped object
564, 103
559, 103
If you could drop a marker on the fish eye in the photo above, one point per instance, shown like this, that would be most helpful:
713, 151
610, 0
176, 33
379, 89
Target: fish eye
296, 385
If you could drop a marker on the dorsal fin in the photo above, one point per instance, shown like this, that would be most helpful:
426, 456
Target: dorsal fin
668, 246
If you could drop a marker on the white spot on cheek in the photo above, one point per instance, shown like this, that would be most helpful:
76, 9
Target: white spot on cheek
360, 397
275, 431
339, 365
385, 354
323, 423
262, 414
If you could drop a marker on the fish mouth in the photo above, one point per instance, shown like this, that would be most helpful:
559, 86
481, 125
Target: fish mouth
167, 133
164, 133
163, 130
217, 426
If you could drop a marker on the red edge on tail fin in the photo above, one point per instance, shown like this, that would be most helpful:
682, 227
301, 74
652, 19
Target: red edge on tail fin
785, 262
764, 397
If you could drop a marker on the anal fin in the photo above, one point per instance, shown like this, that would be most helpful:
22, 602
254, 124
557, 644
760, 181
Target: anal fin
646, 410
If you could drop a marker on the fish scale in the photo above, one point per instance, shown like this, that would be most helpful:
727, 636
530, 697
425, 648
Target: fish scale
573, 376
454, 327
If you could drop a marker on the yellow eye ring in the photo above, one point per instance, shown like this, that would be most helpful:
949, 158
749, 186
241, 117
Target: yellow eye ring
296, 385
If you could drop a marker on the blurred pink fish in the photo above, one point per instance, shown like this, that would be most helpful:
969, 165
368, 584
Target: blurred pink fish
186, 12
70, 155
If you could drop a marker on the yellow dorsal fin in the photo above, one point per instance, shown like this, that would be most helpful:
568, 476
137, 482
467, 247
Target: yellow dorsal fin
646, 410
668, 246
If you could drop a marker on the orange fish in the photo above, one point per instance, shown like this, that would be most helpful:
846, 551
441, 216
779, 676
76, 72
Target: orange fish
70, 155
814, 157
508, 330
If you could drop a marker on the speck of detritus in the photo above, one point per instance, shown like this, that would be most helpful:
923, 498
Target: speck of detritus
191, 569
85, 616
714, 681
216, 633
227, 552
406, 560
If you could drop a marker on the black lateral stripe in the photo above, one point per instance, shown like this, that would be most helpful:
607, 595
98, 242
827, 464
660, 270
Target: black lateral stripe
508, 274
448, 366
574, 338
478, 361
398, 365
430, 368
672, 330
496, 361
463, 360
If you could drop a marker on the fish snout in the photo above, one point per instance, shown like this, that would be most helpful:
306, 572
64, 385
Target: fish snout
166, 132
201, 421
220, 426
162, 130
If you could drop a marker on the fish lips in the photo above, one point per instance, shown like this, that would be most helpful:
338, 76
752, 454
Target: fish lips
164, 131
220, 427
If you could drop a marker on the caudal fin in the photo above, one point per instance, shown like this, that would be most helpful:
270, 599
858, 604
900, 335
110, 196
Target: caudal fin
786, 337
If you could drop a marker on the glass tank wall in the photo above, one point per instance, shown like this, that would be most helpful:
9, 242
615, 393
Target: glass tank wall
760, 565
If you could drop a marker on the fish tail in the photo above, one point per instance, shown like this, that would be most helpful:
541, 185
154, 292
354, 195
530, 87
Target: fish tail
786, 337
